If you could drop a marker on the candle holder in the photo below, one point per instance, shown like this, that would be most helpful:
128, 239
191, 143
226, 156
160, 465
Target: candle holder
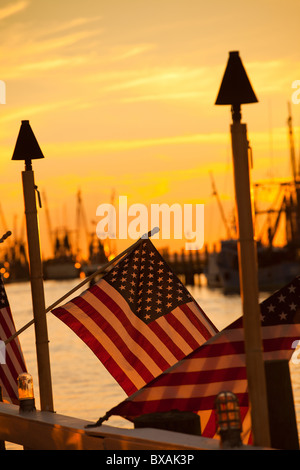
229, 424
26, 393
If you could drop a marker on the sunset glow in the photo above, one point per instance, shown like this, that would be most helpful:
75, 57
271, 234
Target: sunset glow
120, 95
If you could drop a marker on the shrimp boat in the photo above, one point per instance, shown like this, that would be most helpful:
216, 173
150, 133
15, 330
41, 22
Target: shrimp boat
63, 265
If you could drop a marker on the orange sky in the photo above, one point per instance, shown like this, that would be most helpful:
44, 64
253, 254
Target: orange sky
120, 95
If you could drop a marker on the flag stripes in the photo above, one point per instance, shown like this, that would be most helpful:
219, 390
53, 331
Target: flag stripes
131, 337
129, 323
14, 360
219, 365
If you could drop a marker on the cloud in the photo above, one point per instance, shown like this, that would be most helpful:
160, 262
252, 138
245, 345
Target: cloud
161, 77
61, 42
73, 23
96, 146
273, 76
164, 97
53, 64
45, 50
32, 110
133, 51
12, 9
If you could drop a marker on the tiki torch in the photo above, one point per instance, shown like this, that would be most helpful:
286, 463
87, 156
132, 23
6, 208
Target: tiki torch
235, 90
28, 149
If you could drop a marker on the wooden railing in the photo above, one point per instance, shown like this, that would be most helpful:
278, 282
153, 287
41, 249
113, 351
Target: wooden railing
42, 430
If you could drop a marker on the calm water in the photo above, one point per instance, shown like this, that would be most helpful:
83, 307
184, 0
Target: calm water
81, 385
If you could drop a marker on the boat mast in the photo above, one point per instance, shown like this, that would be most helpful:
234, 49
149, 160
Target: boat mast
215, 193
49, 226
294, 199
292, 146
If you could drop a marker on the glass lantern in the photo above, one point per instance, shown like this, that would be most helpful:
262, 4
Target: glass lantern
26, 393
229, 424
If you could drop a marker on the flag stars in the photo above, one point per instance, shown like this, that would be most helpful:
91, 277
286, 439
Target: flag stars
147, 284
271, 308
293, 306
281, 298
283, 316
292, 289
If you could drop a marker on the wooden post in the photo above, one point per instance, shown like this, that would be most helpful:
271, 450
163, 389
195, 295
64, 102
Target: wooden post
37, 290
249, 286
282, 415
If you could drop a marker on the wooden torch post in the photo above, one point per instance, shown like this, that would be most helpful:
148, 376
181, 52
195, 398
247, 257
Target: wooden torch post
235, 90
26, 149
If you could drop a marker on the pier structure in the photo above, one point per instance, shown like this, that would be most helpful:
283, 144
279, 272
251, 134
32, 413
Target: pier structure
187, 265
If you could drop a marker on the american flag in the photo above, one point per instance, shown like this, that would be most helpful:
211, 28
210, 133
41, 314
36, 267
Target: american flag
14, 360
138, 319
219, 365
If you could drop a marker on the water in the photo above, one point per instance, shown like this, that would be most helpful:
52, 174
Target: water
82, 387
